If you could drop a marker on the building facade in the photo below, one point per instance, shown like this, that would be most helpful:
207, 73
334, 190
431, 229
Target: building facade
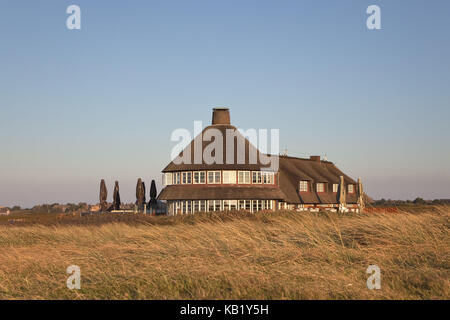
241, 180
5, 211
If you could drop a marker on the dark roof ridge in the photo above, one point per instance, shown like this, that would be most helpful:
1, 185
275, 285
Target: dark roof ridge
297, 158
220, 125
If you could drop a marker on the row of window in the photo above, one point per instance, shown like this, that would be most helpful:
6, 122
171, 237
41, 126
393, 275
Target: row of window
218, 177
320, 187
193, 206
316, 207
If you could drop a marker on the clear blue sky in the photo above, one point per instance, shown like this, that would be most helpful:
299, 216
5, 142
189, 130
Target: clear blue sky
101, 102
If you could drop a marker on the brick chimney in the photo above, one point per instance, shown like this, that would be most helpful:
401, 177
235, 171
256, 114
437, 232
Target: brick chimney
221, 116
314, 158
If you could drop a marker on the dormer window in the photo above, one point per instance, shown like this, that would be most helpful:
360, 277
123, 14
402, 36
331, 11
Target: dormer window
335, 187
320, 187
303, 186
351, 188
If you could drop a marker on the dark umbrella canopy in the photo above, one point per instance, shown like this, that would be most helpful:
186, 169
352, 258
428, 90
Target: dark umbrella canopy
103, 195
143, 185
140, 194
116, 195
152, 203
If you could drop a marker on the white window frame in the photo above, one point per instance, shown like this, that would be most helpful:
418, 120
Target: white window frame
195, 206
352, 187
254, 205
303, 186
176, 177
320, 187
184, 176
177, 207
203, 206
335, 187
216, 205
230, 205
168, 178
208, 204
257, 205
214, 172
246, 177
198, 206
258, 175
186, 207
245, 205
229, 177
267, 205
199, 175
268, 177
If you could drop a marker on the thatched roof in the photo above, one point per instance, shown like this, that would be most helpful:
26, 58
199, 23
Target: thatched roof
211, 192
292, 170
222, 128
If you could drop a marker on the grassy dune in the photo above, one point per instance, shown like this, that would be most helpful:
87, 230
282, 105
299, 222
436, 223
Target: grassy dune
281, 255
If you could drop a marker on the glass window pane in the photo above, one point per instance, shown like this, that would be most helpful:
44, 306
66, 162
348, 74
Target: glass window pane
196, 206
203, 205
255, 205
303, 185
350, 188
229, 177
256, 177
217, 205
210, 177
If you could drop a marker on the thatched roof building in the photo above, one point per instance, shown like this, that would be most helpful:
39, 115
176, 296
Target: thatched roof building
241, 179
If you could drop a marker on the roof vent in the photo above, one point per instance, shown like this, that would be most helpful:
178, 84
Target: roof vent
314, 158
221, 116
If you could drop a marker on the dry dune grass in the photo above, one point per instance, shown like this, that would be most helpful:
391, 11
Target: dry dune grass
282, 255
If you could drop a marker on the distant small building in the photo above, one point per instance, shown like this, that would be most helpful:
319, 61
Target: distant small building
4, 211
94, 208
